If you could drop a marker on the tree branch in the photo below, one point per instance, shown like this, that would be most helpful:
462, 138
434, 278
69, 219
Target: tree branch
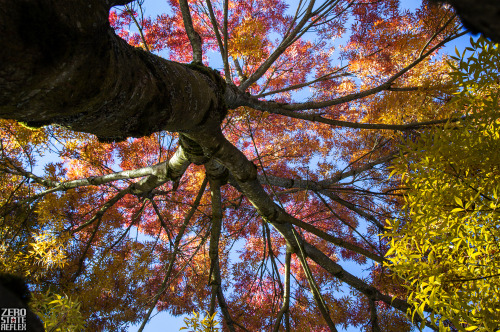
286, 296
225, 32
322, 184
98, 216
194, 37
162, 221
214, 275
173, 257
285, 43
332, 239
373, 316
346, 223
354, 208
303, 85
222, 44
312, 284
139, 26
162, 172
290, 109
245, 174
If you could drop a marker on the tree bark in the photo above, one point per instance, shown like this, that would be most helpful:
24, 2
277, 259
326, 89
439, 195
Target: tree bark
479, 16
61, 63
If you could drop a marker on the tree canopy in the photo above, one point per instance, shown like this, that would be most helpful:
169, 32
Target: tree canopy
446, 242
258, 190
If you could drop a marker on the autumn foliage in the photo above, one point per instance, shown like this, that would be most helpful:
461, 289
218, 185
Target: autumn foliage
444, 241
327, 92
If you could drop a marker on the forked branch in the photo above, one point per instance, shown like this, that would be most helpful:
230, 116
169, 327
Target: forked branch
290, 110
246, 176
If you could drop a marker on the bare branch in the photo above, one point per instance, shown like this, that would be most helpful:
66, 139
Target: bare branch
134, 219
285, 43
162, 221
162, 172
225, 32
241, 75
323, 184
312, 283
222, 44
194, 37
332, 239
272, 257
276, 108
373, 316
139, 26
346, 223
354, 208
214, 275
303, 85
436, 34
79, 269
98, 216
286, 296
387, 84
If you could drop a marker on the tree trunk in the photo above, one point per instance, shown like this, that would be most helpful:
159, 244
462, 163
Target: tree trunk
480, 16
61, 63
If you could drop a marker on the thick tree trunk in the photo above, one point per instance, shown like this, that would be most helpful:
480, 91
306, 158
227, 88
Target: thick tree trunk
480, 16
62, 63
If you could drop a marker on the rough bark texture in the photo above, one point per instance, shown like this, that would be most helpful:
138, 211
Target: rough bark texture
62, 63
479, 16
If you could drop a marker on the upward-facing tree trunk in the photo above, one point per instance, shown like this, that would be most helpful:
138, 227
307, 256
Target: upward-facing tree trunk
62, 63
480, 16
